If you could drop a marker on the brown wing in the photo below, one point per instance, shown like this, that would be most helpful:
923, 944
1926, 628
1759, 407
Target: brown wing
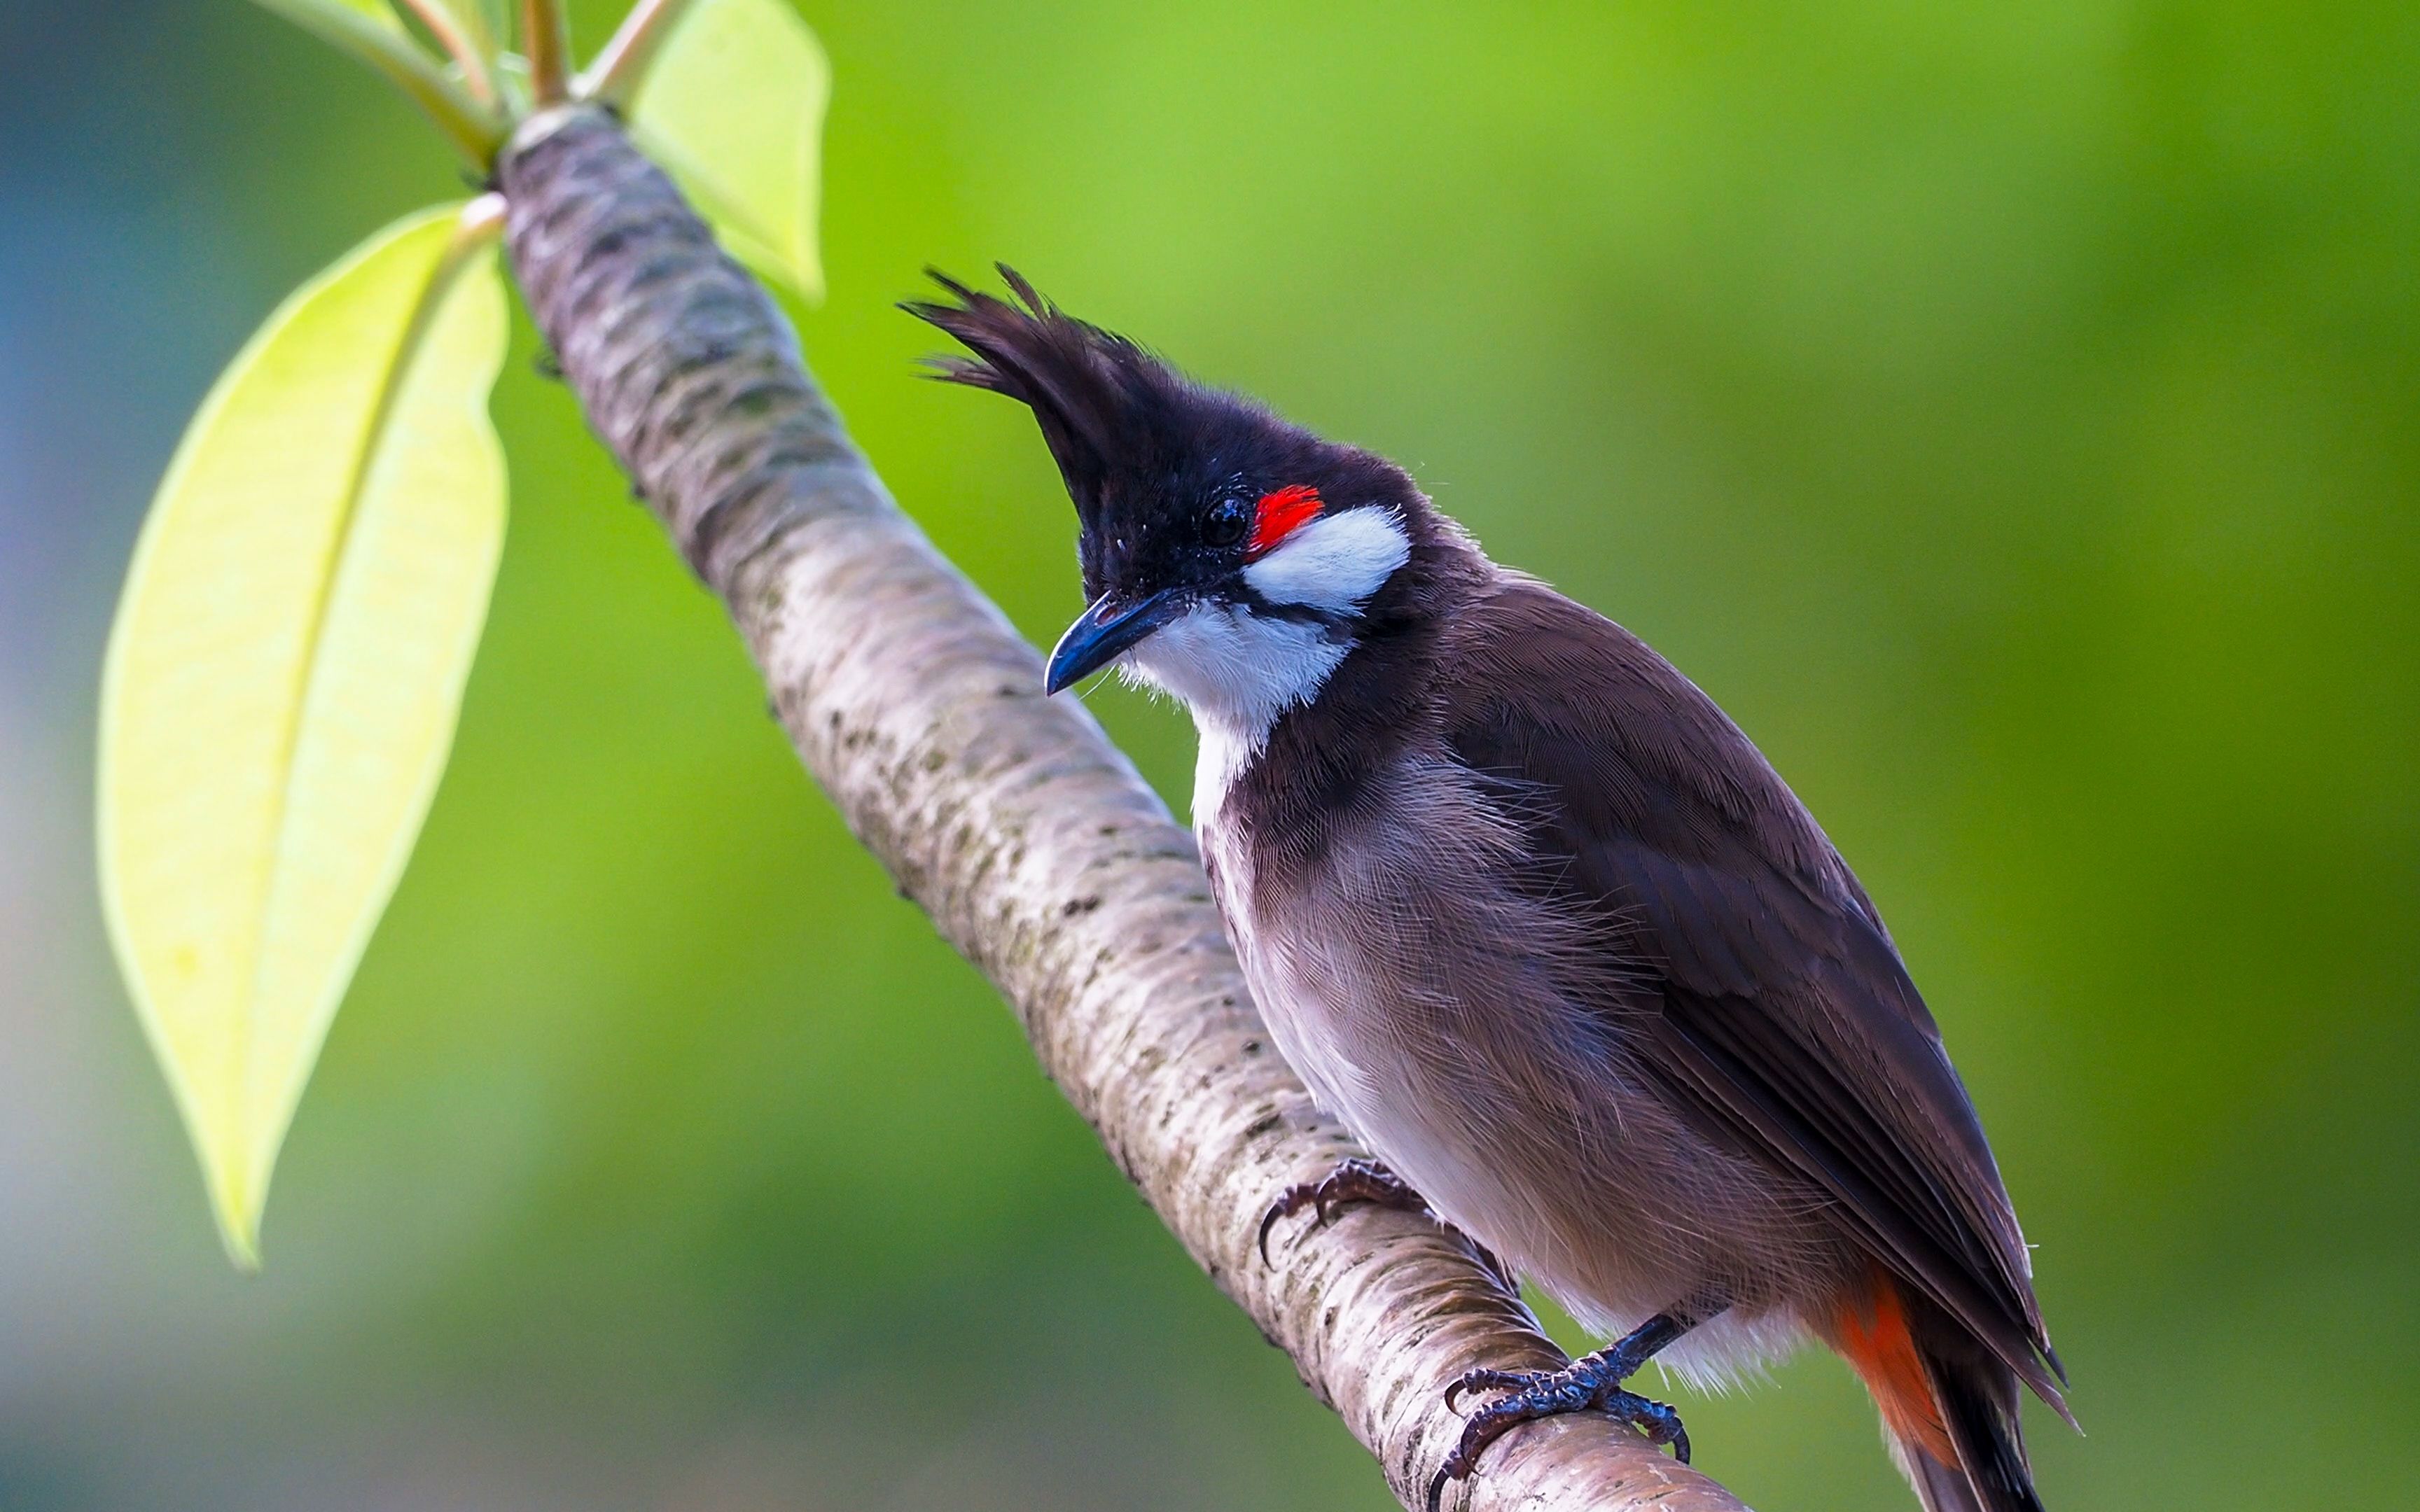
1789, 1022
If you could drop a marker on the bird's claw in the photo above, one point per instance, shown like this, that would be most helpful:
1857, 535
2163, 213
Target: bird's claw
1491, 1381
1353, 1181
1366, 1180
1593, 1384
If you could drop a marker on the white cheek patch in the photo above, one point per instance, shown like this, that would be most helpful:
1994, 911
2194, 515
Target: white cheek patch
1335, 563
1239, 672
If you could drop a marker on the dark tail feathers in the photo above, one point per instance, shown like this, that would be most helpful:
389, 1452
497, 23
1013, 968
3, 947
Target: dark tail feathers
1948, 1404
1976, 1396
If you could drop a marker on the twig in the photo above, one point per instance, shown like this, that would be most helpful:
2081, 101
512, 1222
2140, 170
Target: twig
618, 72
464, 49
474, 129
545, 42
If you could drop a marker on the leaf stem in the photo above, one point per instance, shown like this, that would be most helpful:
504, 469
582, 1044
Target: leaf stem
476, 131
614, 78
482, 221
545, 42
465, 49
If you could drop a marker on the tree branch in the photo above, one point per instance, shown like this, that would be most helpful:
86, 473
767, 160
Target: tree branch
1013, 821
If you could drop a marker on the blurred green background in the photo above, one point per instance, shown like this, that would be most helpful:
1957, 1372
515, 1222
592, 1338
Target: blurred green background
2010, 413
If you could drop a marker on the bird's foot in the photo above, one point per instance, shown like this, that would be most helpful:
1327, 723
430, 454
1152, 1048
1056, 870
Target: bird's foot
1353, 1181
1593, 1384
1361, 1180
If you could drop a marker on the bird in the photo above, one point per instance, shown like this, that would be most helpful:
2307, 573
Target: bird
1534, 919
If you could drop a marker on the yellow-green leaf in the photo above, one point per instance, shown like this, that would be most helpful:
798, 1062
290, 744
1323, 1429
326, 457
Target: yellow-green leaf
283, 677
733, 107
378, 10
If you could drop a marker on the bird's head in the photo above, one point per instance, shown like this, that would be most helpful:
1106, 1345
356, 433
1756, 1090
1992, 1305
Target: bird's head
1228, 557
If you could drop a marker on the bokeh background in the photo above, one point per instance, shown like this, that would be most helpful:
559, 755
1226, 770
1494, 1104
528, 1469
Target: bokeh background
2010, 413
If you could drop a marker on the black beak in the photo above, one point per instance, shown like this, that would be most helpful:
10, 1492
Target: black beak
1105, 632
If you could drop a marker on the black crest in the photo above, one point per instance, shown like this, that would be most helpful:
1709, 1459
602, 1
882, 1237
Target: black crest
1149, 454
1109, 409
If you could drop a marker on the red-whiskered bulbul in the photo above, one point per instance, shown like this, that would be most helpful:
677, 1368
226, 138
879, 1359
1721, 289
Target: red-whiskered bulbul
1535, 920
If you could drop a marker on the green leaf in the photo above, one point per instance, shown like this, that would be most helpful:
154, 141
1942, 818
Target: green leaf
378, 10
733, 107
283, 677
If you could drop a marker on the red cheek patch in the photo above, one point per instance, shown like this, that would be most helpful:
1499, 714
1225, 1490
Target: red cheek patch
1279, 515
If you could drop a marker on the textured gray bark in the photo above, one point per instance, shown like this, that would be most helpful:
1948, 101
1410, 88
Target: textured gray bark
1013, 821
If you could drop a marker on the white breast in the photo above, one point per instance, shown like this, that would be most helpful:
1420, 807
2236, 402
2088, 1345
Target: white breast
1415, 1010
1339, 998
1297, 992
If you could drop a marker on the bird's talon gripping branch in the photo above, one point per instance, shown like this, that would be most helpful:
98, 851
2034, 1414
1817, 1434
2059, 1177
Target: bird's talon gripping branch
1490, 1381
1361, 1180
1358, 1179
1552, 1395
1657, 1420
1593, 1384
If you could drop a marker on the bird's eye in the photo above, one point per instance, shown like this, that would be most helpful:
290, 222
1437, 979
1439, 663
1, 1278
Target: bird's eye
1223, 525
